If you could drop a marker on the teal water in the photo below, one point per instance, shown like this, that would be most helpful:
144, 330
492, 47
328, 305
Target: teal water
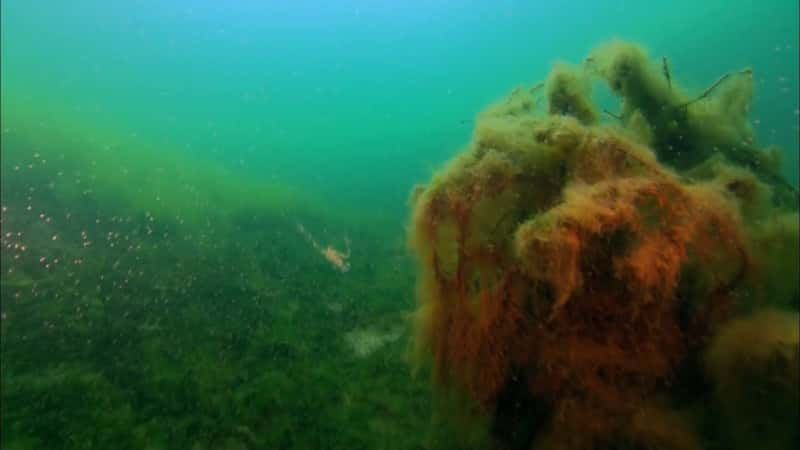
159, 156
359, 99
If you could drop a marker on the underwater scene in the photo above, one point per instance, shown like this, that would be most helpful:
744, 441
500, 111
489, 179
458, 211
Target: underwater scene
500, 225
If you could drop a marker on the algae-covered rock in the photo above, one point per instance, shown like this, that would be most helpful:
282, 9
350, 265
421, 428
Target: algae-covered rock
570, 275
754, 363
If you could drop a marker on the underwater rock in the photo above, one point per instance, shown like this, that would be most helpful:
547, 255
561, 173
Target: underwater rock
563, 260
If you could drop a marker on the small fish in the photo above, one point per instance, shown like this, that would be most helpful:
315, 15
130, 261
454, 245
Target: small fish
665, 68
337, 258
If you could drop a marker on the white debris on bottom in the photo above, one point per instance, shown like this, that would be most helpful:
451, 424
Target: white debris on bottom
366, 341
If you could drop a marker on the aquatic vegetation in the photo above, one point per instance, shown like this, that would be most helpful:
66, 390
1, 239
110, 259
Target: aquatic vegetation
776, 244
197, 319
754, 362
80, 161
573, 270
686, 130
568, 92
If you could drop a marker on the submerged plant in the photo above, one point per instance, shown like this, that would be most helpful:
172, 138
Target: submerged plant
570, 277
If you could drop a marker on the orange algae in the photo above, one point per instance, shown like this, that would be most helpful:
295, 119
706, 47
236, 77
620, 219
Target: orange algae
561, 260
